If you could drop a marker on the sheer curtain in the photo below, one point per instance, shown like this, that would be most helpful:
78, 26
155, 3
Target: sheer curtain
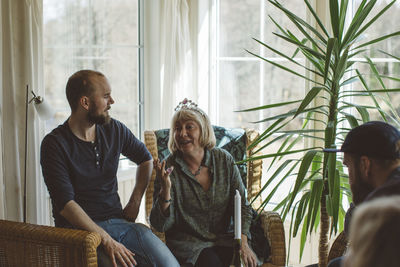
21, 65
176, 57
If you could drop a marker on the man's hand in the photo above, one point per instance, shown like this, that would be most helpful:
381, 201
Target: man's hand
118, 252
131, 211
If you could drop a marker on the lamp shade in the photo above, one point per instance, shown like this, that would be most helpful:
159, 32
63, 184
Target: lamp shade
43, 108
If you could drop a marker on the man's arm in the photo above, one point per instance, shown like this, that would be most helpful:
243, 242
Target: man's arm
79, 219
143, 175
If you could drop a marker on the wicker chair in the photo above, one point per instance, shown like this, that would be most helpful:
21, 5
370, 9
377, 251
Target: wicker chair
339, 247
30, 245
271, 221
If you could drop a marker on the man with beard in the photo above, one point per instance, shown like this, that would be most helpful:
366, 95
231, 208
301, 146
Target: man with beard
79, 162
372, 156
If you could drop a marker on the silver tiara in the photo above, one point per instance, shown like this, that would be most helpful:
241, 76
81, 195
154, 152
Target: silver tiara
188, 104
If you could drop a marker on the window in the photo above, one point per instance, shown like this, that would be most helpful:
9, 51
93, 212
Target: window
243, 81
94, 34
385, 64
101, 35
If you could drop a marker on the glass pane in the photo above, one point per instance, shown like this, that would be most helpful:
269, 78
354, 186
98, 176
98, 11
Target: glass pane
239, 22
95, 22
282, 20
386, 24
238, 89
124, 83
92, 34
387, 102
282, 86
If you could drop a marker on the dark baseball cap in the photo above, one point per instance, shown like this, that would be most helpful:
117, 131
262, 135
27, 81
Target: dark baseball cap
374, 139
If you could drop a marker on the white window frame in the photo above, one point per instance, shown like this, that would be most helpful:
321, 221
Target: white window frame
126, 172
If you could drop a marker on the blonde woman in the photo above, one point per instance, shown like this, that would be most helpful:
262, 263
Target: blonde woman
194, 192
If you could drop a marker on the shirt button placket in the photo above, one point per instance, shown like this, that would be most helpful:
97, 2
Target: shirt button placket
97, 157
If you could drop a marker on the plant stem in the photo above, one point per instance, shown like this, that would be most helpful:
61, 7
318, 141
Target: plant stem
323, 234
330, 136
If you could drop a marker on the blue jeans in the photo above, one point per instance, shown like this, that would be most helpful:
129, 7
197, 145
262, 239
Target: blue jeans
149, 250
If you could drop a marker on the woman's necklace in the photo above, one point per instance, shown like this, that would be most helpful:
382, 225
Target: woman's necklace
198, 171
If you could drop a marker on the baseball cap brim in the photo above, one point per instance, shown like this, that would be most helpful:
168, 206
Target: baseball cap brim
332, 150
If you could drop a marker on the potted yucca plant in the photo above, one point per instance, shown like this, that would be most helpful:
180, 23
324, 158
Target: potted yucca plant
317, 196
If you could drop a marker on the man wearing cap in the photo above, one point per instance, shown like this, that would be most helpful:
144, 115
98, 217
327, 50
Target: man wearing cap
372, 156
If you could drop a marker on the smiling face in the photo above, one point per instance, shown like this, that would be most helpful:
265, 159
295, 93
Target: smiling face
206, 136
100, 101
187, 136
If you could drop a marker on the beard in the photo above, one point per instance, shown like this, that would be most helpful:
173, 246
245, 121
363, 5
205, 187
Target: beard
360, 188
95, 118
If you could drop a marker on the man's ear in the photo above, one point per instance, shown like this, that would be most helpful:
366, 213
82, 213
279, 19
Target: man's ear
84, 102
365, 166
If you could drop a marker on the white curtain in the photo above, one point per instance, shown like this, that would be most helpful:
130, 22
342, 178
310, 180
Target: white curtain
176, 58
21, 65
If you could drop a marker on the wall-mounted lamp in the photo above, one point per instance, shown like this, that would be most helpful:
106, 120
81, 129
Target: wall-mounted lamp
45, 112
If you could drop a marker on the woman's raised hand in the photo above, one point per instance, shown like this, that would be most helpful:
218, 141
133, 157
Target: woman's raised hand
163, 174
165, 191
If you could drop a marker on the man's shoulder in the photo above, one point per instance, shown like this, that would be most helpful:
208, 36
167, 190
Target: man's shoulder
112, 126
59, 139
61, 132
390, 188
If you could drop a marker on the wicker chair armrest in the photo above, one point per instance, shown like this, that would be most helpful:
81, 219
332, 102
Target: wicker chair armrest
23, 244
150, 140
339, 247
254, 170
273, 229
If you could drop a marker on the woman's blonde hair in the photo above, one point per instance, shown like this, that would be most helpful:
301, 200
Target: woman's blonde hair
207, 136
375, 234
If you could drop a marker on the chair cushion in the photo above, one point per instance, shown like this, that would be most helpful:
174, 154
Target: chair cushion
232, 140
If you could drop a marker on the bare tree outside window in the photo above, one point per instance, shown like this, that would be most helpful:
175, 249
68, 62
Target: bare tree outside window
92, 34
